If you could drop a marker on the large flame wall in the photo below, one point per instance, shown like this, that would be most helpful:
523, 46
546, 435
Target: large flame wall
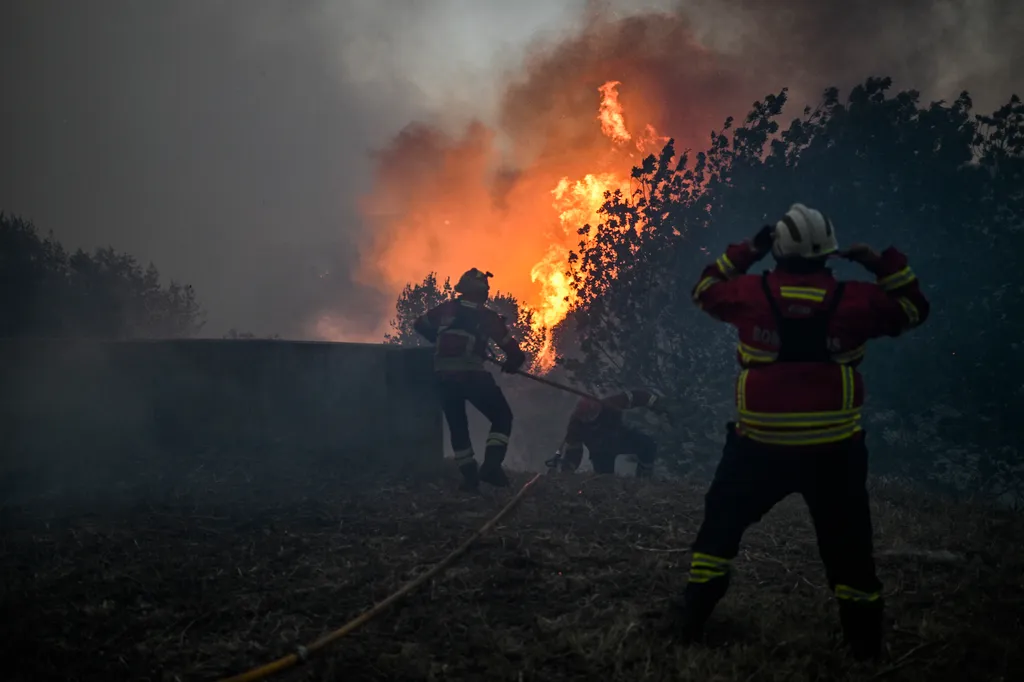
511, 196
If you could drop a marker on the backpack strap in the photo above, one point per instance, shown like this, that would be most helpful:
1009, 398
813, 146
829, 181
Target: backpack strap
776, 313
837, 295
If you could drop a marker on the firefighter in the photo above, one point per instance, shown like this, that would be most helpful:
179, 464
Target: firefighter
461, 330
801, 336
598, 425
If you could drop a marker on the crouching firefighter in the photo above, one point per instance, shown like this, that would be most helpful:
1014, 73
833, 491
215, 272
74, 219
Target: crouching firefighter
598, 426
461, 330
801, 336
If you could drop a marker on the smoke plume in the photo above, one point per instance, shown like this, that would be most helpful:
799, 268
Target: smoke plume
486, 196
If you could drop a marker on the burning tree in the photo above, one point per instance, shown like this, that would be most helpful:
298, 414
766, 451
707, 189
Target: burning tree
416, 299
435, 194
945, 185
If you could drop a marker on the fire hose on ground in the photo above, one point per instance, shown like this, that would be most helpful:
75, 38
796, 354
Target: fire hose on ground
303, 653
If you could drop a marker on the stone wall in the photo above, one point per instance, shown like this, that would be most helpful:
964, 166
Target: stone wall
80, 409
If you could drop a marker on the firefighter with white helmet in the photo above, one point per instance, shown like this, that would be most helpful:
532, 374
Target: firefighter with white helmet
801, 336
803, 233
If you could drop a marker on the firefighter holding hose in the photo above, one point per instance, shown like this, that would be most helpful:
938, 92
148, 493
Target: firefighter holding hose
461, 330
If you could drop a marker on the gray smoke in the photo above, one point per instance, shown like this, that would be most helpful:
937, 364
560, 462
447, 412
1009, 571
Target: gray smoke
228, 140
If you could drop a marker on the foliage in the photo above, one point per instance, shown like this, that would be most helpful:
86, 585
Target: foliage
44, 291
417, 299
944, 185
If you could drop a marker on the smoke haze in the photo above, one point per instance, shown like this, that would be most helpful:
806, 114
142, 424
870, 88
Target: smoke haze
297, 163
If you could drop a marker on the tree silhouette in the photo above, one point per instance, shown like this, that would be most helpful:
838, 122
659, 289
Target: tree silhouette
943, 184
106, 294
417, 299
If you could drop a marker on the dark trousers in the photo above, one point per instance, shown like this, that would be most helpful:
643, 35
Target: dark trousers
480, 390
605, 448
750, 480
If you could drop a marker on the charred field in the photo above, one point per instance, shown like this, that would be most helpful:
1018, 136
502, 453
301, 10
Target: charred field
222, 576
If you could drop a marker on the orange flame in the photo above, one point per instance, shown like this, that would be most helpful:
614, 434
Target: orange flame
442, 204
609, 114
577, 204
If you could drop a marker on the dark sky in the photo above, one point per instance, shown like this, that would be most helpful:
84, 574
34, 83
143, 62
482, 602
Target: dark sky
227, 140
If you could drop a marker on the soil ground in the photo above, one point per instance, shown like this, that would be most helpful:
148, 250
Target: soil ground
216, 580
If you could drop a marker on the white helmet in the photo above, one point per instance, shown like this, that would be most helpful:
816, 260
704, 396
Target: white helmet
804, 233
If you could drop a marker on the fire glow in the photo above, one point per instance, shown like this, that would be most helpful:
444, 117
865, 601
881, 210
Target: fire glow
434, 202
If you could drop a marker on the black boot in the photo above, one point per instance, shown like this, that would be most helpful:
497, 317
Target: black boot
470, 477
682, 623
685, 618
491, 471
862, 628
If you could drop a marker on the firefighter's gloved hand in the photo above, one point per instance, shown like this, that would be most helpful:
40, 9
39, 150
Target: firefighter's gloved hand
863, 254
570, 460
763, 240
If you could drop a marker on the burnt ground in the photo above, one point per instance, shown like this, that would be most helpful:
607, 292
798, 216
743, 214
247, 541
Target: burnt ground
215, 581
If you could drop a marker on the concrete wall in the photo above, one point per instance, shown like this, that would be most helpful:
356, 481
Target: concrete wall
85, 406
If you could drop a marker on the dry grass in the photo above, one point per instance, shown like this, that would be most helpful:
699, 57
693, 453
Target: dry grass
566, 589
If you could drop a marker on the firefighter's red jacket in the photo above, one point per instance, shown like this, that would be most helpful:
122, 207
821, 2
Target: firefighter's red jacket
461, 330
805, 403
592, 419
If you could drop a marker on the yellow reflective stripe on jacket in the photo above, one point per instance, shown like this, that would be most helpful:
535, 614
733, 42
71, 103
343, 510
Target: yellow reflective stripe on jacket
705, 567
800, 420
851, 594
910, 310
448, 331
703, 286
803, 437
804, 293
814, 428
467, 360
848, 381
897, 279
849, 387
750, 354
741, 390
850, 355
725, 266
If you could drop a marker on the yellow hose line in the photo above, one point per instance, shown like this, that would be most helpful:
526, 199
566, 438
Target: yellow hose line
290, 660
